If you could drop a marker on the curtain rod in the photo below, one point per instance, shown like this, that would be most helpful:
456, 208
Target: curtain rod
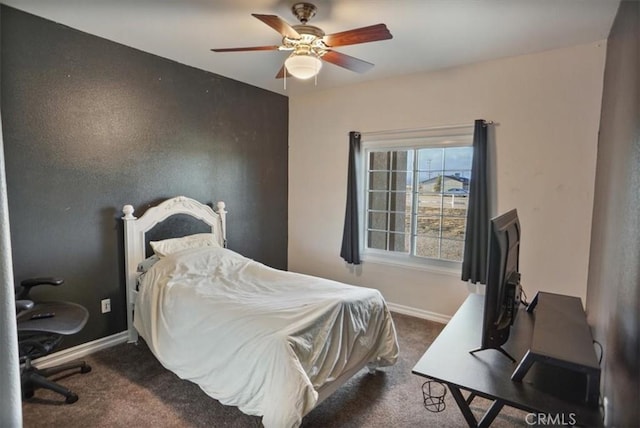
430, 128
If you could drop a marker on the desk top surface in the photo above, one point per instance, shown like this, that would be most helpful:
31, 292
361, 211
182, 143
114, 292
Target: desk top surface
488, 372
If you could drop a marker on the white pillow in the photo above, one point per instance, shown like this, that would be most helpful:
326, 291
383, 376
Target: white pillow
170, 246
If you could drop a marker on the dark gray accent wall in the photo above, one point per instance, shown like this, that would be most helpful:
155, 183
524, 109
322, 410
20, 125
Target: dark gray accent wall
91, 125
613, 293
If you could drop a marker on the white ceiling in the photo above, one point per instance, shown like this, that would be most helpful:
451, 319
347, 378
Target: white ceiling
427, 34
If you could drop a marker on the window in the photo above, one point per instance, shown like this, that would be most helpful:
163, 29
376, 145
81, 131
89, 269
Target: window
416, 195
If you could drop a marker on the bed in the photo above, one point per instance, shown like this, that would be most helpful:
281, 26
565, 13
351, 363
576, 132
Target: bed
271, 342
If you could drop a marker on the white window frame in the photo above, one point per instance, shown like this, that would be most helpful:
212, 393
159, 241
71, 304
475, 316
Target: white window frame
442, 136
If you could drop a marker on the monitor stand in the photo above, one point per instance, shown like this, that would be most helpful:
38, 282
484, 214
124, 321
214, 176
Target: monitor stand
561, 336
499, 348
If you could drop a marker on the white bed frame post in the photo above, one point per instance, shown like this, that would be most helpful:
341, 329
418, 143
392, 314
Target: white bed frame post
131, 267
223, 221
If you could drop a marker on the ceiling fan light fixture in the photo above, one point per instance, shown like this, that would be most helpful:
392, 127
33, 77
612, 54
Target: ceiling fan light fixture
303, 66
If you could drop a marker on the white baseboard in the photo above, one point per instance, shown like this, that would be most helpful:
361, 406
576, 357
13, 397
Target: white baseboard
80, 351
418, 313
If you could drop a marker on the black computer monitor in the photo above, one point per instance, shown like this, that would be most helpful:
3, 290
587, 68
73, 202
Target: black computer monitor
502, 293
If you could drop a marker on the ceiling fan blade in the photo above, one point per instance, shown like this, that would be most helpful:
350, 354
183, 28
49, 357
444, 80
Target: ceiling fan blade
371, 33
346, 61
251, 48
280, 74
279, 25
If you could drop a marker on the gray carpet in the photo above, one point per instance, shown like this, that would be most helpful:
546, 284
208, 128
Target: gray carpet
129, 388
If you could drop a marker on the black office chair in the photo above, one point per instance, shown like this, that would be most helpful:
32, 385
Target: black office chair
41, 328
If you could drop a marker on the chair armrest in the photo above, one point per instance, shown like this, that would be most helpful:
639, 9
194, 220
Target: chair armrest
23, 305
32, 282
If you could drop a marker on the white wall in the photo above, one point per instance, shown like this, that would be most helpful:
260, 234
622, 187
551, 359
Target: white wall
10, 404
547, 109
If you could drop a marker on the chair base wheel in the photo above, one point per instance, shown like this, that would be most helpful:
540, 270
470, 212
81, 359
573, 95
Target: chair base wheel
33, 378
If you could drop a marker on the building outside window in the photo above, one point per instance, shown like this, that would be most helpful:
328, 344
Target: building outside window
416, 187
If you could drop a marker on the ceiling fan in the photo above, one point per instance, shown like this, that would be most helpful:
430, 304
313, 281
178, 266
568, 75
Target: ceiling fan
309, 44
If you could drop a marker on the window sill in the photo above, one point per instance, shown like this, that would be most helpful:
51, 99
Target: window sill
453, 268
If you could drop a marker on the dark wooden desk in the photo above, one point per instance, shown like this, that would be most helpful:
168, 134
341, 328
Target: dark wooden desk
547, 389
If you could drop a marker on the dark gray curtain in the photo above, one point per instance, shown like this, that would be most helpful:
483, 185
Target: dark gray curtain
350, 251
474, 263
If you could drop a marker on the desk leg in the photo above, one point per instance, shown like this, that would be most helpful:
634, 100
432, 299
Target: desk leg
463, 404
470, 398
491, 413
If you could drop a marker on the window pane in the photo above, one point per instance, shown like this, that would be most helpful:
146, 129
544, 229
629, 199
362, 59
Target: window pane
397, 222
431, 160
391, 221
458, 158
408, 204
379, 180
394, 180
379, 161
378, 200
397, 242
390, 161
398, 202
390, 201
388, 172
428, 226
436, 184
455, 183
455, 205
429, 182
427, 247
452, 250
429, 201
377, 240
453, 228
378, 220
459, 208
400, 161
400, 180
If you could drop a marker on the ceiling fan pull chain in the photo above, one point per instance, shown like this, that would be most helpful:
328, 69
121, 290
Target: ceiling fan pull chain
315, 77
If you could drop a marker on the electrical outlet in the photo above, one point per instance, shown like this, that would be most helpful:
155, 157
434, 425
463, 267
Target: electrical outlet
106, 305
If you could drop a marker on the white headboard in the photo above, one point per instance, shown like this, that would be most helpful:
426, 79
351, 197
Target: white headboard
135, 230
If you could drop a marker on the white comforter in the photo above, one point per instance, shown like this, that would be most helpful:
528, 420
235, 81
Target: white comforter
256, 337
